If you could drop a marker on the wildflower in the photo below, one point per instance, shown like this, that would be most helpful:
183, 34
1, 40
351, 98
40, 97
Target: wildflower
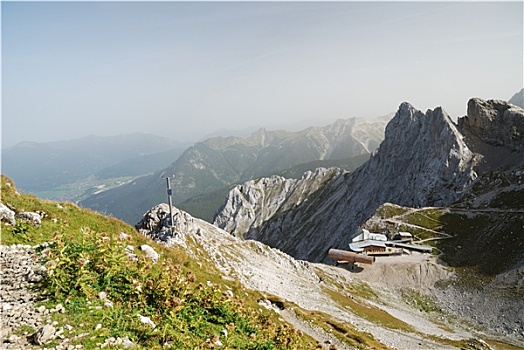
83, 262
146, 320
215, 340
137, 285
51, 264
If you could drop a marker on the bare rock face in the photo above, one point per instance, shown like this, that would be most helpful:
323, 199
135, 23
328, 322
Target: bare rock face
424, 160
495, 122
249, 205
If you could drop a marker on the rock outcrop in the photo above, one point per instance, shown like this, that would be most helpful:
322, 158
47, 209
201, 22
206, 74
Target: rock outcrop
7, 215
155, 223
495, 122
494, 129
249, 205
424, 160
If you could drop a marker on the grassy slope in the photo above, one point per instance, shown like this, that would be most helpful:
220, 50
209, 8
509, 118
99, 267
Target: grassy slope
188, 303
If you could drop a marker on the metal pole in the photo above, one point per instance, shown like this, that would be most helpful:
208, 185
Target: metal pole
169, 194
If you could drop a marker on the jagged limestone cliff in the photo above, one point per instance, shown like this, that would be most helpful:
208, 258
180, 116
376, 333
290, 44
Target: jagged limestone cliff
257, 200
494, 129
423, 160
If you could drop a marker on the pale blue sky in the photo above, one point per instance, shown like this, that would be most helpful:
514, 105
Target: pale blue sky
186, 69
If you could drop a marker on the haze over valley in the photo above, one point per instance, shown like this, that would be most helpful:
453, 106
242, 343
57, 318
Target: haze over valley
455, 189
342, 175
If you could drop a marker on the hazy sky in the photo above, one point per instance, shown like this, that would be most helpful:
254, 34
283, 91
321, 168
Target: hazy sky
186, 69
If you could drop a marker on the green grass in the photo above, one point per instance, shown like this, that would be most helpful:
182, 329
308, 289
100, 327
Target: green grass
86, 256
369, 312
419, 301
489, 242
421, 223
344, 331
69, 218
390, 210
429, 219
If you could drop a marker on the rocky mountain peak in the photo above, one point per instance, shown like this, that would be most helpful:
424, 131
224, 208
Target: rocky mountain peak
424, 160
495, 122
262, 137
424, 154
408, 116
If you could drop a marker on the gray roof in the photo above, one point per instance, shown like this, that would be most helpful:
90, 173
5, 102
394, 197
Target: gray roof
359, 246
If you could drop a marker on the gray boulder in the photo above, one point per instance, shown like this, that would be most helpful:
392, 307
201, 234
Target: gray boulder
7, 214
44, 334
495, 122
150, 252
35, 218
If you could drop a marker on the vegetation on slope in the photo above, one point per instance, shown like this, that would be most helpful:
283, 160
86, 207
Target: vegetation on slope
482, 232
349, 164
90, 273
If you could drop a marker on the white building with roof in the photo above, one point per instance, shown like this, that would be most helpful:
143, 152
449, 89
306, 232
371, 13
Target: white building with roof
366, 235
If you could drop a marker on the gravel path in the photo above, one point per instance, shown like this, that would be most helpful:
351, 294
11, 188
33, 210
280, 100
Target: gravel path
23, 325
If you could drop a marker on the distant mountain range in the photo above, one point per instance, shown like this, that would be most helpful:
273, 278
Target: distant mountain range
212, 166
64, 169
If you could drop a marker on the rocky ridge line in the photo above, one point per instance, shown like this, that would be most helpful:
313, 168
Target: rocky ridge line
423, 160
219, 162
